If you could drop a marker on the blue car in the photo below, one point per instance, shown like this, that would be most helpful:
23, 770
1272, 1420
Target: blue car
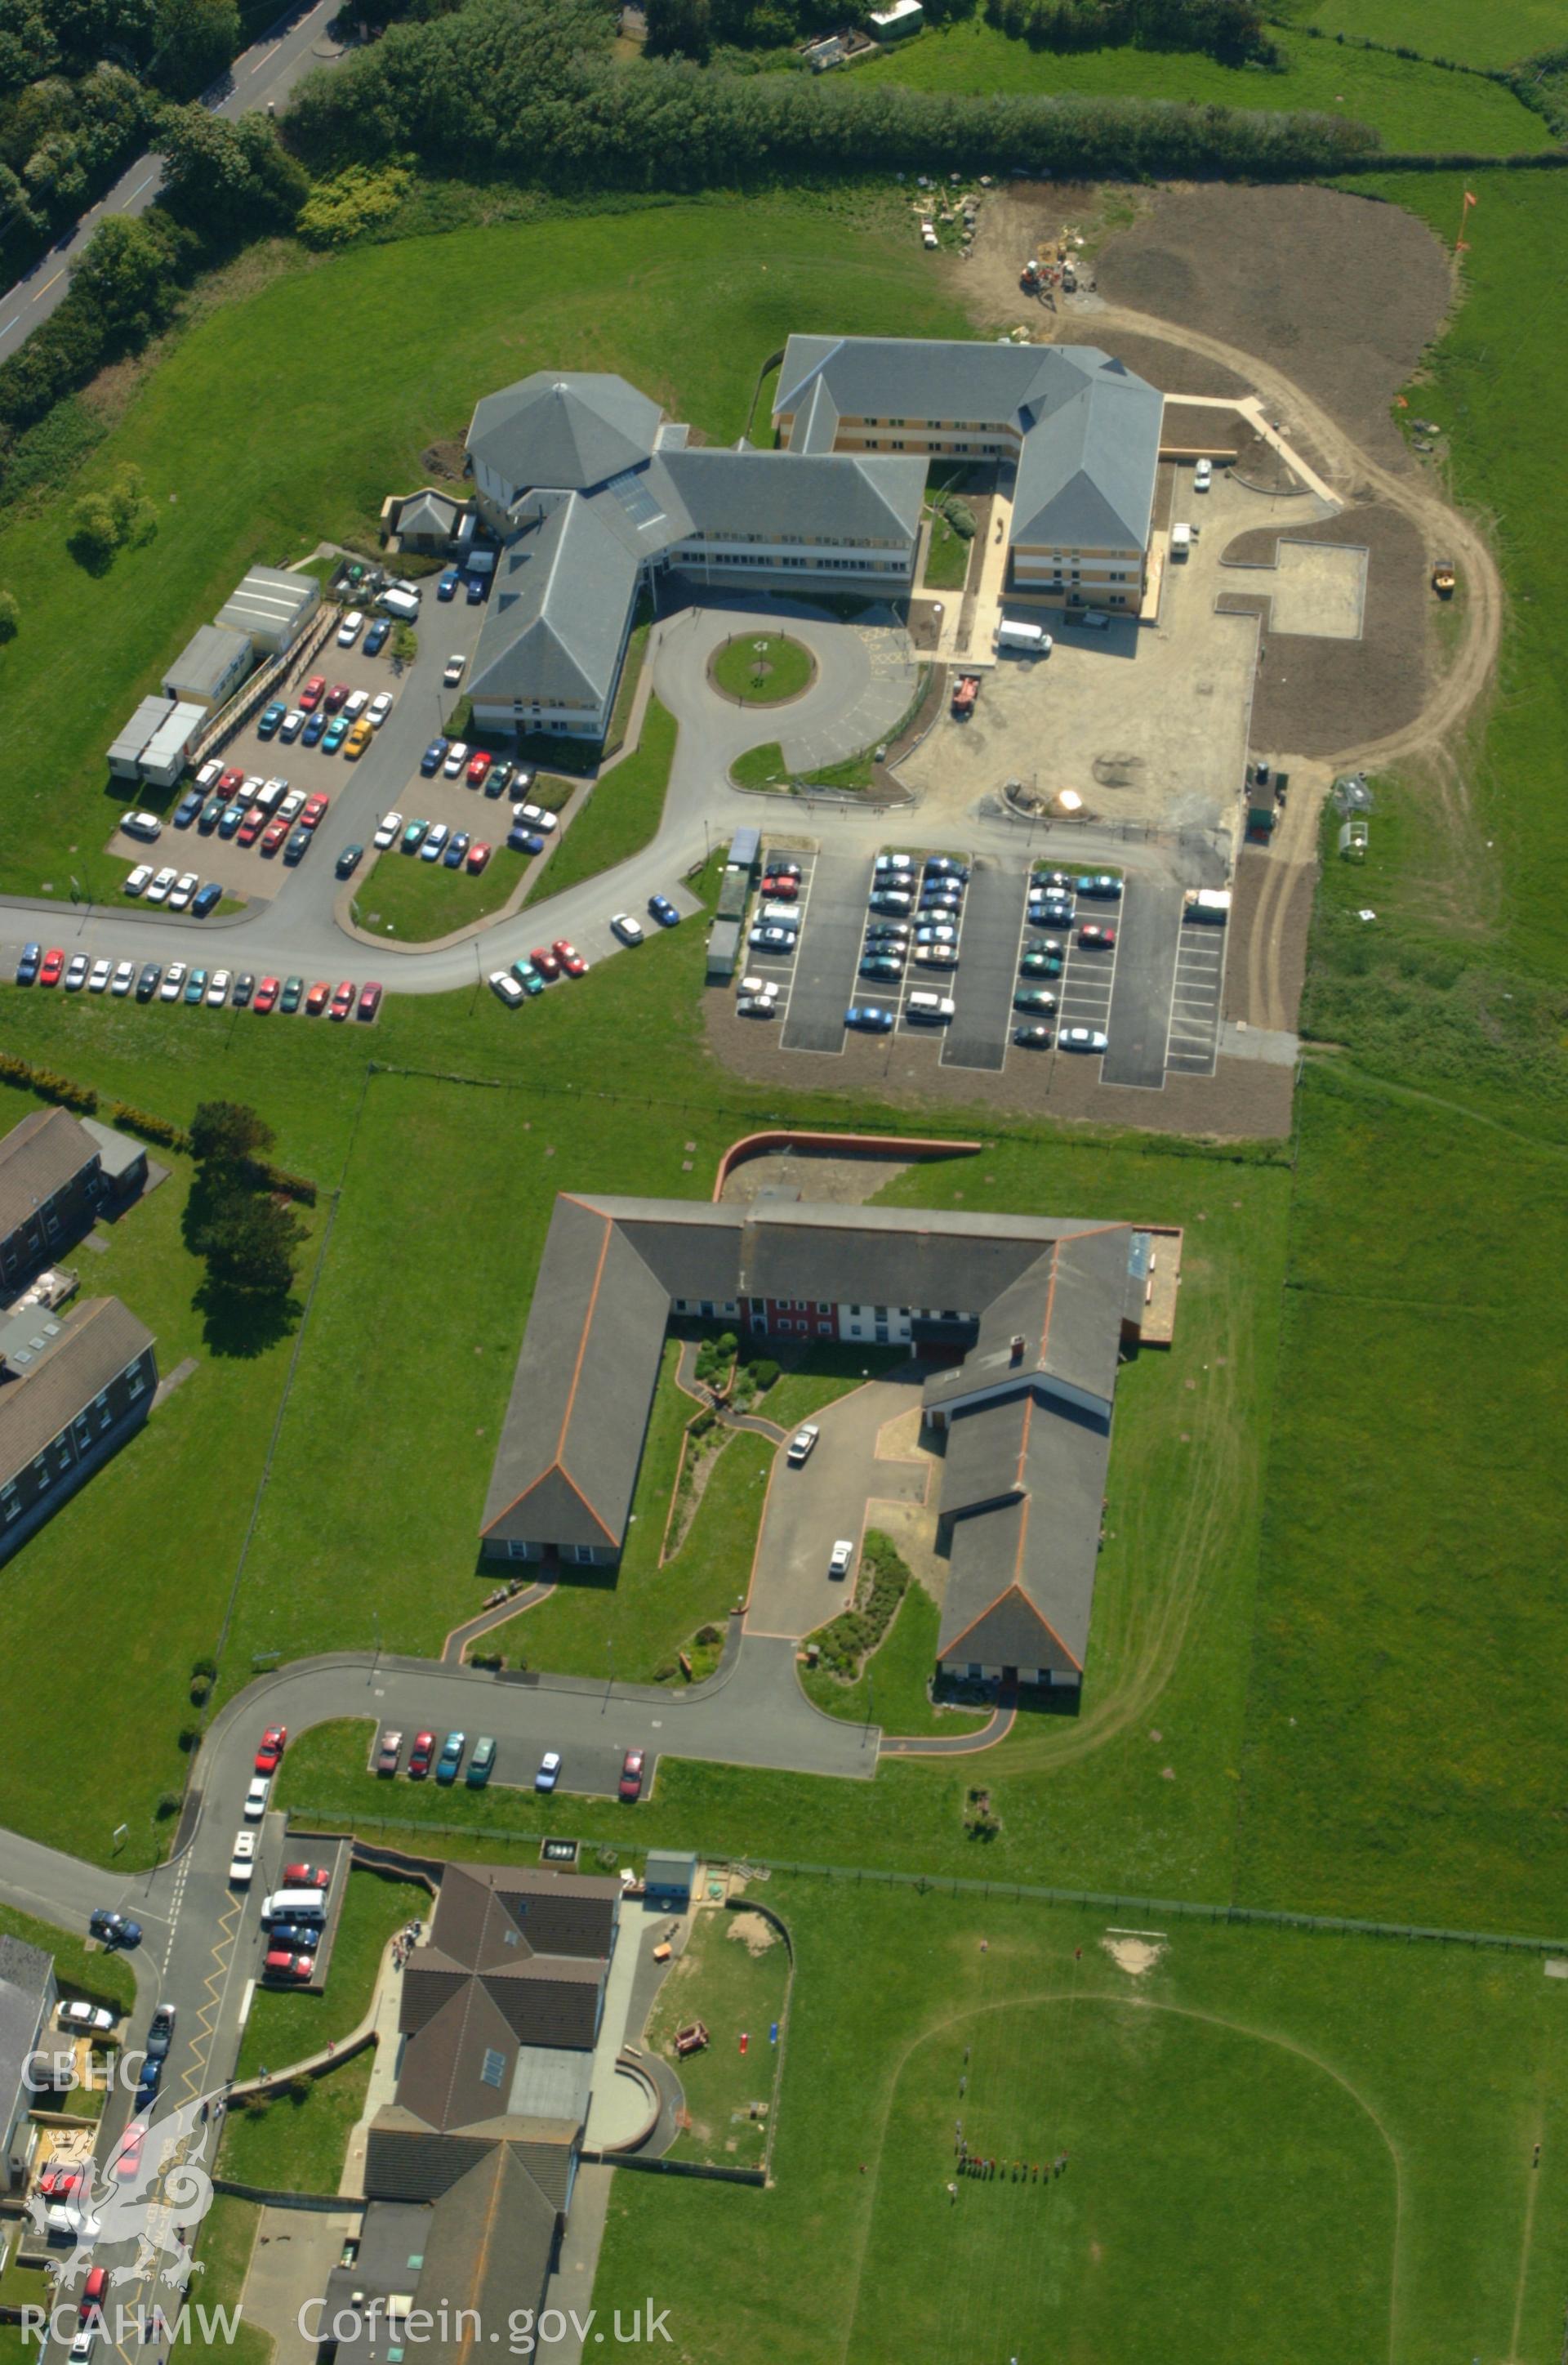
229, 819
205, 899
314, 728
450, 1757
337, 731
376, 639
190, 804
447, 588
434, 757
27, 967
664, 911
271, 717
524, 841
454, 850
869, 1018
477, 587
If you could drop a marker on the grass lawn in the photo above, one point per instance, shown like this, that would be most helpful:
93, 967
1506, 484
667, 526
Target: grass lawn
734, 1978
1442, 28
946, 556
760, 768
1414, 107
620, 816
474, 309
223, 2248
815, 1375
1251, 2105
892, 1692
763, 668
101, 1978
285, 2025
414, 901
298, 2140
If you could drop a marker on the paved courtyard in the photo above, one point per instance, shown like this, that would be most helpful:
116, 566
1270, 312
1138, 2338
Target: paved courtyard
835, 1494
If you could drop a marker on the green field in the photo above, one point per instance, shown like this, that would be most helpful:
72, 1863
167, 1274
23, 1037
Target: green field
685, 299
297, 2140
619, 817
1443, 28
763, 670
1414, 107
1237, 2113
415, 902
733, 1976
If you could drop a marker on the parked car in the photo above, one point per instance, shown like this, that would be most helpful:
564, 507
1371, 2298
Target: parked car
185, 811
269, 1752
1081, 1039
435, 840
142, 824
451, 1757
549, 1772
77, 972
843, 1553
31, 957
84, 2019
251, 828
292, 995
755, 1005
894, 901
217, 989
545, 962
477, 586
384, 836
123, 979
886, 863
307, 1876
888, 932
173, 984
316, 1000
93, 2292
266, 996
414, 836
1203, 475
99, 976
456, 756
160, 2032
886, 967
1034, 997
481, 1764
506, 987
478, 765
314, 692
1032, 1038
664, 911
243, 1864
283, 1963
869, 1018
1097, 939
1049, 912
633, 1767
380, 707
182, 891
270, 718
350, 628
205, 899
293, 724
772, 939
256, 1797
297, 847
333, 738
1039, 964
349, 860
937, 932
629, 930
456, 846
528, 976
229, 819
114, 1929
539, 817
273, 836
51, 967
128, 2151
376, 639
800, 1444
342, 1002
359, 738
388, 1755
434, 757
1098, 882
420, 1756
314, 727
446, 586
369, 1002
571, 960
478, 855
499, 777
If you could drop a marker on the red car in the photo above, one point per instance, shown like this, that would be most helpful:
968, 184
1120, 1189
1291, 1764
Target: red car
266, 995
50, 967
314, 808
343, 1001
251, 828
337, 695
282, 1964
273, 836
571, 960
58, 2183
478, 765
369, 1002
230, 784
632, 1767
1104, 937
420, 1754
316, 1000
311, 694
782, 889
127, 2157
547, 965
93, 2292
275, 1741
307, 1876
478, 855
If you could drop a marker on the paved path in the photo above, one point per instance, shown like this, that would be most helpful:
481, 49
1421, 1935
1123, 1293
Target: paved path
685, 1379
957, 1744
528, 1597
267, 71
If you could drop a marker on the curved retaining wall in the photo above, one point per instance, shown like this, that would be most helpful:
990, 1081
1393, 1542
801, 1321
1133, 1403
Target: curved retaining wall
850, 1145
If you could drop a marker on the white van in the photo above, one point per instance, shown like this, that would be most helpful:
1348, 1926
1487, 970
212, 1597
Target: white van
401, 604
931, 1009
294, 1905
782, 916
1181, 542
1031, 640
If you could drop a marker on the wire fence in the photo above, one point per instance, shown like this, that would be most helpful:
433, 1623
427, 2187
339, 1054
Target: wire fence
1004, 1892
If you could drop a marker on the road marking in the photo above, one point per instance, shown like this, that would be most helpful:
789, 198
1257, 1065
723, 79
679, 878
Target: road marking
10, 325
141, 185
47, 285
246, 2000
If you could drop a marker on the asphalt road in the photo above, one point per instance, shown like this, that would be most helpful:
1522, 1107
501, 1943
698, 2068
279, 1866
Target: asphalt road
268, 70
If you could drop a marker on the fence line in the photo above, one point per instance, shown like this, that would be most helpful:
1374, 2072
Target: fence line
1185, 1909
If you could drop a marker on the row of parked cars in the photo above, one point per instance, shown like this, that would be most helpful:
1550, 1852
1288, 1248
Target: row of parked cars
914, 912
180, 982
1052, 904
530, 975
447, 1763
329, 714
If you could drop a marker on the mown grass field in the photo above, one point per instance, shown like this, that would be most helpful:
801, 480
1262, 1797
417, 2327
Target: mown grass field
734, 1978
297, 2140
1413, 107
416, 902
1442, 28
685, 300
1251, 2106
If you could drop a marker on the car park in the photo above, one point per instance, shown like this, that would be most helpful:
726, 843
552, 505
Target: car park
435, 840
800, 1444
341, 1004
77, 972
549, 1773
455, 758
195, 987
1097, 938
173, 984
571, 960
349, 860
388, 1755
634, 1766
433, 757
454, 849
843, 1553
369, 1001
664, 911
137, 882
1081, 1039
316, 1000
99, 976
451, 1757
123, 979
629, 930
869, 1018
50, 967
292, 994
217, 989
297, 847
420, 1756
506, 987
384, 836
142, 824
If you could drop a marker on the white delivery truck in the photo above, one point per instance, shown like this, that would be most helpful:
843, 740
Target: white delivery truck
1029, 640
403, 605
1181, 542
1210, 903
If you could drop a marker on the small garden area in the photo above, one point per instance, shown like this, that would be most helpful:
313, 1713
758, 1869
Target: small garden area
762, 668
893, 1684
952, 538
415, 902
287, 2025
297, 2138
734, 1978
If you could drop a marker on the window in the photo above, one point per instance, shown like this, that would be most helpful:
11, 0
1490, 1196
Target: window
822, 1307
825, 1329
101, 1407
138, 1381
493, 2068
81, 1432
520, 1551
10, 1501
974, 1667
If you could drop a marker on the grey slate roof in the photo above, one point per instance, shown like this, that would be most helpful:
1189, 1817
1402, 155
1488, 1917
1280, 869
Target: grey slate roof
428, 512
97, 1339
1090, 428
1021, 1576
556, 620
47, 1149
1061, 1307
567, 430
478, 2256
24, 1974
841, 496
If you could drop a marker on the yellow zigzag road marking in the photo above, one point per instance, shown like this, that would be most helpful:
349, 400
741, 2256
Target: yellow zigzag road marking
207, 2012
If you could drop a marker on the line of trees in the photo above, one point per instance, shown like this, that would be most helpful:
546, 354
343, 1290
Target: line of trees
1231, 30
545, 105
695, 28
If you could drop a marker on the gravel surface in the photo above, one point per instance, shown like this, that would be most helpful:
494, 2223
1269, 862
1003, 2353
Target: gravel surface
1315, 696
1342, 293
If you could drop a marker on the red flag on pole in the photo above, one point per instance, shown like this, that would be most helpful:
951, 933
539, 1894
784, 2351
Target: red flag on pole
1469, 197
745, 2039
